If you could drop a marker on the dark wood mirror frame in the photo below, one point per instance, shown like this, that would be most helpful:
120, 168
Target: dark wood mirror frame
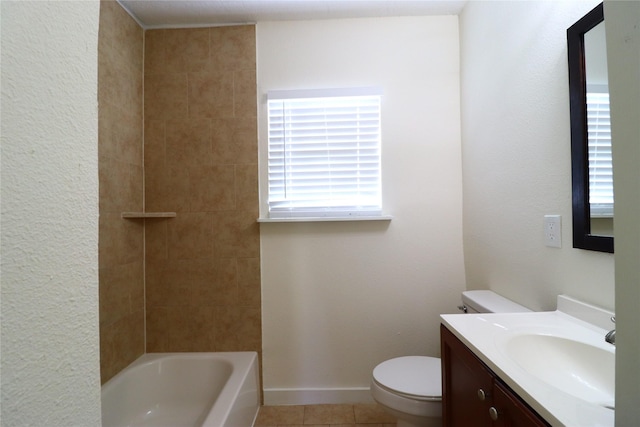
582, 237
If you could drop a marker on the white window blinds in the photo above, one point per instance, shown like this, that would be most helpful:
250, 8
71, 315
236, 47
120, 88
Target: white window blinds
324, 153
600, 157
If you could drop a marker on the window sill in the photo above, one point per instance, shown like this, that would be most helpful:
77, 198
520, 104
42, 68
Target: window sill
328, 219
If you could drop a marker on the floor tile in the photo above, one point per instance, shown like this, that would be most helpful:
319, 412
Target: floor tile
359, 415
371, 413
329, 414
273, 416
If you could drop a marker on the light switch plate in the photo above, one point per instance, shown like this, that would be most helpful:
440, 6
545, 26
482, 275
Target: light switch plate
553, 231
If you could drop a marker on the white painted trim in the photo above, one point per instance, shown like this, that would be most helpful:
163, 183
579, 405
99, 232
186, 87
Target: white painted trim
316, 396
328, 219
132, 15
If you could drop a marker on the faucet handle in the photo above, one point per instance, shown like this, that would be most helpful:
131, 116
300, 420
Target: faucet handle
613, 319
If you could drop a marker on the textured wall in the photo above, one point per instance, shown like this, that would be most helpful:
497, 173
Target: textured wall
49, 331
339, 298
516, 155
623, 55
121, 254
202, 267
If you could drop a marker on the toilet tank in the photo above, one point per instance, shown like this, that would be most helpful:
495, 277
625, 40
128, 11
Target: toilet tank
484, 301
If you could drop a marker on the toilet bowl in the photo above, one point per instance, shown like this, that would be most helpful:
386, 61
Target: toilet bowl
410, 387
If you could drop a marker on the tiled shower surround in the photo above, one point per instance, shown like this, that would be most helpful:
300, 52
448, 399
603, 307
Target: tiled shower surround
201, 161
202, 268
121, 242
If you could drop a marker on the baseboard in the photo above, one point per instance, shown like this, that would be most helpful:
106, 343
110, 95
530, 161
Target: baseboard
316, 396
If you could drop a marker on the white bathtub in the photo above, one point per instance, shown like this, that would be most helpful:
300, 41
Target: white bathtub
185, 390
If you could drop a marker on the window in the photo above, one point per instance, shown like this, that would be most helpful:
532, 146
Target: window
600, 158
324, 153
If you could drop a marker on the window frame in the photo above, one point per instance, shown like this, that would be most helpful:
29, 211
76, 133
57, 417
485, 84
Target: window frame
335, 213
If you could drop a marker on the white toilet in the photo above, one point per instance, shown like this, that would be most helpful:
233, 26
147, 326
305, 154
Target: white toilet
410, 387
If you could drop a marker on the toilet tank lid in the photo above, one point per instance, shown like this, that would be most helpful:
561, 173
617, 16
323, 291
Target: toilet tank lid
485, 301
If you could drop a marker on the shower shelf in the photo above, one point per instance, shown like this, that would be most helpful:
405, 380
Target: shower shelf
138, 215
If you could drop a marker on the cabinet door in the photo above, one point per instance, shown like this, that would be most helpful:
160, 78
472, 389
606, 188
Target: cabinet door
465, 381
511, 411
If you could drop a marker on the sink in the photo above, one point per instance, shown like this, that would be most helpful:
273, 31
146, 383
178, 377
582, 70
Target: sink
583, 370
557, 361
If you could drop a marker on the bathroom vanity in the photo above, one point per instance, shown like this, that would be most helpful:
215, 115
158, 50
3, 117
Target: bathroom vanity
529, 369
472, 395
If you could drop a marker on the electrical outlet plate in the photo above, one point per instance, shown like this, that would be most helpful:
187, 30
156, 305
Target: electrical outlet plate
553, 231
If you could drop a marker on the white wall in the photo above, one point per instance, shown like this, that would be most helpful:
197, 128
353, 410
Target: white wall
623, 51
516, 155
50, 361
339, 298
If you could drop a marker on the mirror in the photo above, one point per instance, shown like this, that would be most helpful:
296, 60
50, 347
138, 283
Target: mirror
591, 167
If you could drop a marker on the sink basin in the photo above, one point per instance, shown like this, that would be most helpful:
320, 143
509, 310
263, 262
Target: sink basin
580, 369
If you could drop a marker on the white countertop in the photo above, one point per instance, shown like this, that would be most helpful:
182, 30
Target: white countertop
486, 334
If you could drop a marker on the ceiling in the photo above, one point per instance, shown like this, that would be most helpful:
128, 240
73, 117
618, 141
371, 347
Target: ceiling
189, 13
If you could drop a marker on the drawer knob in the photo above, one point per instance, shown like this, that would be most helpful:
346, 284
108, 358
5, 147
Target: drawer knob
482, 395
493, 413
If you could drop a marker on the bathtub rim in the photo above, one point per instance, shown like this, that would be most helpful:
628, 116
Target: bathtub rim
244, 363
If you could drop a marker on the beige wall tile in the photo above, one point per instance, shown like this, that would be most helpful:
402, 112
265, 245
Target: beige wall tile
190, 236
120, 133
120, 242
233, 48
203, 274
154, 144
167, 188
249, 294
234, 141
154, 52
158, 326
186, 50
236, 234
212, 188
188, 142
237, 328
121, 343
191, 330
120, 186
181, 282
226, 283
211, 94
246, 178
165, 96
121, 291
156, 242
244, 92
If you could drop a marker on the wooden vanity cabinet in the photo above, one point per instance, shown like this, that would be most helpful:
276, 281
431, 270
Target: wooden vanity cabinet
473, 396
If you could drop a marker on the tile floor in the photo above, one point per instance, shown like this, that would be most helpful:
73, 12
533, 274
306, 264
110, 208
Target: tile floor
358, 415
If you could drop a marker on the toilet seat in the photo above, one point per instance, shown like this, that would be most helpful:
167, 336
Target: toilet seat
412, 377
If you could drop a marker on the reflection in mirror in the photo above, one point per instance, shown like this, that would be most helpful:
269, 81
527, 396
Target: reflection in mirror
591, 165
598, 132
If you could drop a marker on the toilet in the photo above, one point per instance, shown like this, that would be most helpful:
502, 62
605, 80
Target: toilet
410, 387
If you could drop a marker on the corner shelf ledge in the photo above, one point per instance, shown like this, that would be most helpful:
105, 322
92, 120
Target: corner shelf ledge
138, 215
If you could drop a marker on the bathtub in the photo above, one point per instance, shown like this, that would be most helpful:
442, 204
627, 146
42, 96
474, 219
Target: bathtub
184, 389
